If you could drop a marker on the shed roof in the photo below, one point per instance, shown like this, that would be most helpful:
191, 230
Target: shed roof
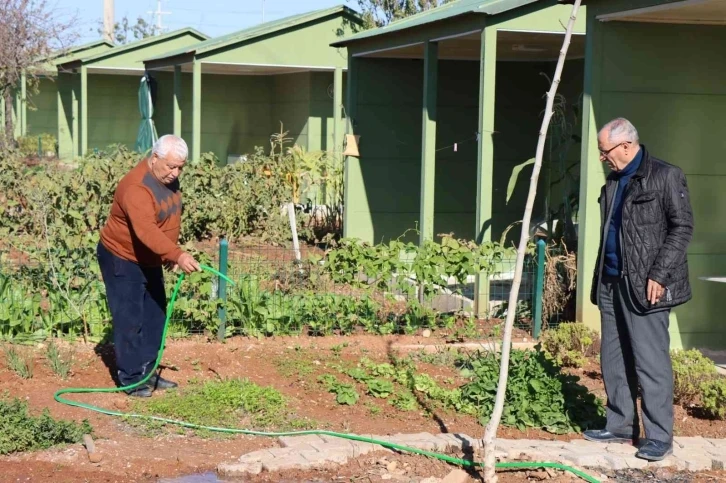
446, 11
267, 28
139, 44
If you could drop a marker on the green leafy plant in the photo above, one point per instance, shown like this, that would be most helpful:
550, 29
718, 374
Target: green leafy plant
569, 344
713, 397
538, 394
344, 393
380, 388
59, 361
691, 369
404, 401
20, 431
20, 363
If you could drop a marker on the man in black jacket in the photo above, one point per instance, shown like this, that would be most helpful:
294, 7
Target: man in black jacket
641, 273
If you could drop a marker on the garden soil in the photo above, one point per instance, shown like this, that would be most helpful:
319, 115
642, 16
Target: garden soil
130, 453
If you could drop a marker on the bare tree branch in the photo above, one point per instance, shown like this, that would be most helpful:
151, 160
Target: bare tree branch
31, 33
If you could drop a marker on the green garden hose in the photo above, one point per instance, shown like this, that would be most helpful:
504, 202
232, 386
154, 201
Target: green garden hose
386, 444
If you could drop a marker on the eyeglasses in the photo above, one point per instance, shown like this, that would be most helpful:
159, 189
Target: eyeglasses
605, 153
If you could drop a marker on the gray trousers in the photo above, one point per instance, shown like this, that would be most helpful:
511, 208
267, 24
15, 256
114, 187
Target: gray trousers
635, 350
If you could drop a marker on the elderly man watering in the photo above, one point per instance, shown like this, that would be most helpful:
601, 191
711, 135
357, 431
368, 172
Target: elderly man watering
139, 237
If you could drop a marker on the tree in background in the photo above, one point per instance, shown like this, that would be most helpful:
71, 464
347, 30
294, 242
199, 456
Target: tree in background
125, 32
377, 13
31, 32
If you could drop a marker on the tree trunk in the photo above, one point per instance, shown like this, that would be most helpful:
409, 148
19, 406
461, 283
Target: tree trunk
491, 429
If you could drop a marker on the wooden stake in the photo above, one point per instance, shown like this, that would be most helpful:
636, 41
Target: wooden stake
491, 429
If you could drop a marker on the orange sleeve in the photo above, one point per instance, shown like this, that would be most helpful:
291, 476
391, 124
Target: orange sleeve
138, 204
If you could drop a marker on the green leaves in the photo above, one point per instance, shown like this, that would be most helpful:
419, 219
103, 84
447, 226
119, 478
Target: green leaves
19, 431
515, 174
538, 395
344, 393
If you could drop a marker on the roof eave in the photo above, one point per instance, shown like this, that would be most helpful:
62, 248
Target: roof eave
147, 41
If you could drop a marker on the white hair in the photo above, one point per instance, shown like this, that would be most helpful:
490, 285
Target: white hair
168, 143
620, 130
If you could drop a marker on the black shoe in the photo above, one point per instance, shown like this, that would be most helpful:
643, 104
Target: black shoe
141, 391
605, 436
158, 382
653, 450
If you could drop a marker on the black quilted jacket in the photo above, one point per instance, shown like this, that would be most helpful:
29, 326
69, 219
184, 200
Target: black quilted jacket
656, 229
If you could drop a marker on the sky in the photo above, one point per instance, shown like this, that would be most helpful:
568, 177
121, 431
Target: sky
212, 17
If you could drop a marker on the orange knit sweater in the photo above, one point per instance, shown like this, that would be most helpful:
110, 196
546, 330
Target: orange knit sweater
145, 219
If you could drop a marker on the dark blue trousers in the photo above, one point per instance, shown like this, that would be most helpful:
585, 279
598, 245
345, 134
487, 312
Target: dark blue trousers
137, 301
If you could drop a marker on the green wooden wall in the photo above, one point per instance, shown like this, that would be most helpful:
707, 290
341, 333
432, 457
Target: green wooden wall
113, 110
239, 113
43, 108
671, 87
384, 184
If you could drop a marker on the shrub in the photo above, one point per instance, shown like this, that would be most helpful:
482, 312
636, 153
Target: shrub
28, 145
691, 370
713, 397
20, 431
538, 394
569, 344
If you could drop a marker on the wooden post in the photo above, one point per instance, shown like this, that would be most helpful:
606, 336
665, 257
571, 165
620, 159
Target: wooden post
428, 142
84, 110
351, 110
75, 134
23, 104
196, 110
485, 158
177, 100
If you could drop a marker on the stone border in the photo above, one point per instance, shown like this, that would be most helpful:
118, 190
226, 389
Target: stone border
314, 451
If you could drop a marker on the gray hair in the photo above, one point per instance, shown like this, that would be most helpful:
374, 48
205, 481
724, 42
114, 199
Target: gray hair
168, 143
621, 130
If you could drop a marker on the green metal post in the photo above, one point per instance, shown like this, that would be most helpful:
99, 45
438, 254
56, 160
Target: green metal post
539, 289
222, 289
40, 148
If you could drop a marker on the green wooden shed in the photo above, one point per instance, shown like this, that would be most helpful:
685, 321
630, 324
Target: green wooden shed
229, 94
37, 112
661, 64
97, 100
446, 103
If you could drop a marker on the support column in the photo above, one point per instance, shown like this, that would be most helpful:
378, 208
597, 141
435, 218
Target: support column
196, 110
338, 112
428, 142
485, 158
592, 177
62, 133
75, 134
23, 104
177, 100
337, 150
351, 112
84, 110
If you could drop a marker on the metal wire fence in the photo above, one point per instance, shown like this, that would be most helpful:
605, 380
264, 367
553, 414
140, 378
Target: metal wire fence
277, 291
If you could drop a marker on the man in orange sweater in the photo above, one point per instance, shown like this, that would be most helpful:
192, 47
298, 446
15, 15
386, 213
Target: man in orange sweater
139, 237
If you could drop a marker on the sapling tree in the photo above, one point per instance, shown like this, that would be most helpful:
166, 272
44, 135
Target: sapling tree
491, 430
